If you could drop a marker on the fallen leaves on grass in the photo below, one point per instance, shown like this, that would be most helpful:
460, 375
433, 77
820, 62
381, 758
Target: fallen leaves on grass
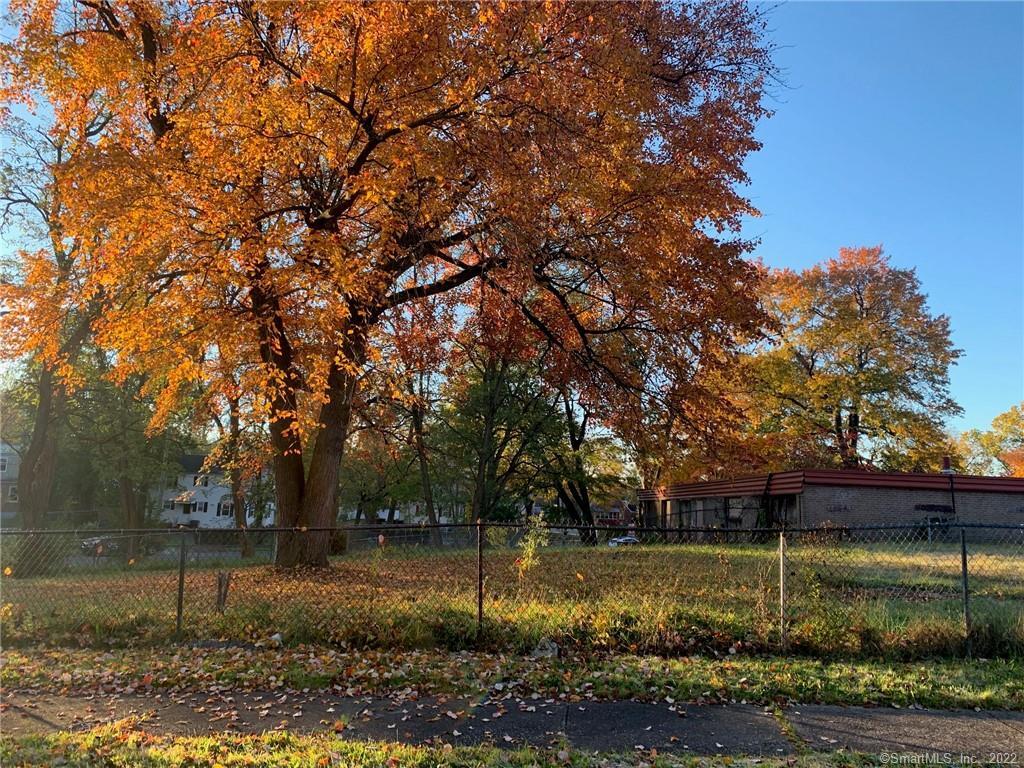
508, 680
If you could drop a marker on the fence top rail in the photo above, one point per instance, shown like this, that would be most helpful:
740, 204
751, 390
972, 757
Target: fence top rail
411, 527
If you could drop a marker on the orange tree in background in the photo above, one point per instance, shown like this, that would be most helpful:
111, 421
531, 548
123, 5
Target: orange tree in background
273, 179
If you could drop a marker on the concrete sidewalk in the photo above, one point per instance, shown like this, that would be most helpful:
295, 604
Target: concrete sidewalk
612, 726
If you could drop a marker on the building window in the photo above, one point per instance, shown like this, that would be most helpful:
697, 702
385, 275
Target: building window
226, 507
12, 493
684, 512
734, 510
3, 464
169, 505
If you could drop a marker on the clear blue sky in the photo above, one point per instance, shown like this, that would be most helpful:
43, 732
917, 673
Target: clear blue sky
903, 124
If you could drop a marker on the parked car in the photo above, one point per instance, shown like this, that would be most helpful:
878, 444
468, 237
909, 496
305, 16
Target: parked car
100, 545
623, 541
107, 546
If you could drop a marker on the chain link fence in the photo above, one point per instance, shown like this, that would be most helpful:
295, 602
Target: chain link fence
896, 591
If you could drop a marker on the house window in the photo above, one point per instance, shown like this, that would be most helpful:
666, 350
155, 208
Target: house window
226, 507
3, 464
205, 481
12, 493
169, 505
202, 507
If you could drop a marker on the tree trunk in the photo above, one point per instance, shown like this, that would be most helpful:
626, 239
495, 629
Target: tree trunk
39, 462
484, 471
580, 512
129, 509
577, 486
853, 435
245, 546
847, 461
487, 469
289, 473
426, 487
36, 476
581, 494
392, 507
311, 502
573, 485
305, 501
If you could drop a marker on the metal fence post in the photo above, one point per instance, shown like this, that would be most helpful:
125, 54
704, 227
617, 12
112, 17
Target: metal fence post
966, 592
479, 579
181, 585
783, 640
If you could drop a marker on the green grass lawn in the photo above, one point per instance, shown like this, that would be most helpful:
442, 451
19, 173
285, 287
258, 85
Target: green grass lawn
844, 601
992, 684
121, 745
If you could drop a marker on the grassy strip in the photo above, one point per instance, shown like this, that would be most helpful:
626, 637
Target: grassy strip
992, 684
120, 745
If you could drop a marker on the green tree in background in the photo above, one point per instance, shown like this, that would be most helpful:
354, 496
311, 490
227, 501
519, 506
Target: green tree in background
497, 418
107, 422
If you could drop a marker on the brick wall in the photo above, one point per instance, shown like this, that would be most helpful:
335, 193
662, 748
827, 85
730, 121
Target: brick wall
895, 506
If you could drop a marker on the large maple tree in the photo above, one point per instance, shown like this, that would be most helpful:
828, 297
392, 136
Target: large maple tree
273, 179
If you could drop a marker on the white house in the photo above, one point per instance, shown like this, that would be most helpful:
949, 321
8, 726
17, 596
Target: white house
412, 513
9, 462
200, 499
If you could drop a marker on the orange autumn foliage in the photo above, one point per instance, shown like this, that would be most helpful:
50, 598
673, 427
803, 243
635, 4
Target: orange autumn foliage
276, 179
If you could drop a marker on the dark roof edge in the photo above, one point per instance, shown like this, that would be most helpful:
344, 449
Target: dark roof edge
785, 483
192, 464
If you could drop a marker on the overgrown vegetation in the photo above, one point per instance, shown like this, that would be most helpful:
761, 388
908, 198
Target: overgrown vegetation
873, 602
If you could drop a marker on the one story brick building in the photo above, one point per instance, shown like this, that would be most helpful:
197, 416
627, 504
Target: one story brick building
815, 498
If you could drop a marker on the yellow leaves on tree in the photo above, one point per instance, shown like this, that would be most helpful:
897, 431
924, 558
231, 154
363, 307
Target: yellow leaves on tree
860, 372
997, 450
